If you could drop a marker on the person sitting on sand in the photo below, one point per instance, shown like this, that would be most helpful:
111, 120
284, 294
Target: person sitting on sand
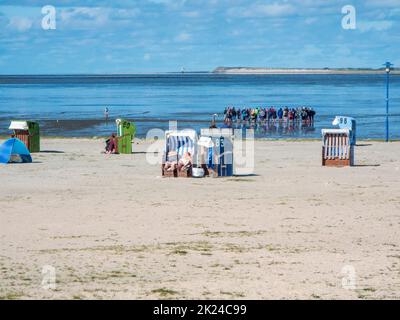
111, 144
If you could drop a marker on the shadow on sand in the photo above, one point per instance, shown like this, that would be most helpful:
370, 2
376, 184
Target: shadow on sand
364, 145
246, 175
145, 152
51, 151
366, 165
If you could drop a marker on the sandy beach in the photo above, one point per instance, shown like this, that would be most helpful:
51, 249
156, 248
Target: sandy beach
112, 227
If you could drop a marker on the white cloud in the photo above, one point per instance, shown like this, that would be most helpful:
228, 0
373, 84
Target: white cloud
170, 3
191, 14
183, 37
395, 12
311, 20
311, 50
20, 23
379, 25
236, 33
84, 16
263, 10
89, 17
343, 51
384, 3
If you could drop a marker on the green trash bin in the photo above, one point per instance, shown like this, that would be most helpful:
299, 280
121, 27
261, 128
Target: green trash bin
125, 133
28, 132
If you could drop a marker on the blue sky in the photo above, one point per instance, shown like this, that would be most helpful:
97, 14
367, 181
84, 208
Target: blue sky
144, 36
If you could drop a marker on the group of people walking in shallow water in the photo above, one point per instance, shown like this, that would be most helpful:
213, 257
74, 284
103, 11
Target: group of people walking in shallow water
261, 115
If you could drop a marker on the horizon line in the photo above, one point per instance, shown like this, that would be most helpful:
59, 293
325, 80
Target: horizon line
218, 70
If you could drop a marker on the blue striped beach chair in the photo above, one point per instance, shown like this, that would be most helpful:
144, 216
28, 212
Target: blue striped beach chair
177, 143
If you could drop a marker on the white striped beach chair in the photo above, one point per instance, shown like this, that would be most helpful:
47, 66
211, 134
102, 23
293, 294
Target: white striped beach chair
179, 142
337, 149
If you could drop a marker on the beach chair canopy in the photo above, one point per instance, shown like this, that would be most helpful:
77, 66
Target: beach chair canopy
181, 142
343, 122
125, 127
205, 142
19, 125
14, 150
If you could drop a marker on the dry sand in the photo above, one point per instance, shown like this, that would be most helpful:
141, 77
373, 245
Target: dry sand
113, 228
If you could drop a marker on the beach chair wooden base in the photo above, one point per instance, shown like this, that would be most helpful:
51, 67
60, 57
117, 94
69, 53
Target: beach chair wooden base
168, 173
335, 162
175, 173
185, 173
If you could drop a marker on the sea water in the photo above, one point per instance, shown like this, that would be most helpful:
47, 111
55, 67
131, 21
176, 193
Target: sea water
74, 105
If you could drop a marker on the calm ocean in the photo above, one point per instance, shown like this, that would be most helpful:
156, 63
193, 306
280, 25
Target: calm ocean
74, 105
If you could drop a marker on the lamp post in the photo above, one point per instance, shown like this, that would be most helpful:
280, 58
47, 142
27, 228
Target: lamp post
388, 66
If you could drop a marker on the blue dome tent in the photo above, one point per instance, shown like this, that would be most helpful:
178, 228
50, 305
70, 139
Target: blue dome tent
14, 150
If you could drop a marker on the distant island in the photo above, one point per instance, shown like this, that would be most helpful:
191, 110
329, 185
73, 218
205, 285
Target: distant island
252, 70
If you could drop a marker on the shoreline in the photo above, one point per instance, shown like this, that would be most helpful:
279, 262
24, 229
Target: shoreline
144, 140
216, 71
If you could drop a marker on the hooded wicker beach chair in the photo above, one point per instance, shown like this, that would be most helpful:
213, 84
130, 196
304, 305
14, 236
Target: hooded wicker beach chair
177, 143
337, 149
